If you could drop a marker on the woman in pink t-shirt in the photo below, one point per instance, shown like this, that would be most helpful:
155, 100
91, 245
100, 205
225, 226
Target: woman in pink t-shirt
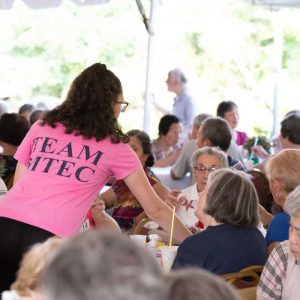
63, 163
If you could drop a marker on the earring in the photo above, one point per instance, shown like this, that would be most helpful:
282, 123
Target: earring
277, 195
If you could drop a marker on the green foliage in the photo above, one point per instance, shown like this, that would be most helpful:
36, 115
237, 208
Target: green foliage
59, 43
228, 44
267, 42
290, 59
260, 131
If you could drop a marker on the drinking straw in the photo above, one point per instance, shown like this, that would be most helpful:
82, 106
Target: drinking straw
254, 144
172, 227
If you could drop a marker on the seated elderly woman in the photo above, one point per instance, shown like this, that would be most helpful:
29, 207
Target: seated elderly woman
280, 276
126, 208
13, 129
166, 148
283, 172
203, 162
228, 207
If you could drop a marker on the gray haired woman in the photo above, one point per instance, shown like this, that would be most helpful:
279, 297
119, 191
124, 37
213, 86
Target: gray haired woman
203, 162
231, 240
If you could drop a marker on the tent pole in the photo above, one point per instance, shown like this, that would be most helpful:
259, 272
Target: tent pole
278, 44
150, 73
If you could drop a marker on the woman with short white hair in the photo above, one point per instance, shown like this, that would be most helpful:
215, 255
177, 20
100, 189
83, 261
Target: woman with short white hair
203, 162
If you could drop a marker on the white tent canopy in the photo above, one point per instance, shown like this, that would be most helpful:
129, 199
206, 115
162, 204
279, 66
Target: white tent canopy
275, 4
36, 4
152, 43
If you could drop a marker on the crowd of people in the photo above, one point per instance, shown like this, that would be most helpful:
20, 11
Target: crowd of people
65, 167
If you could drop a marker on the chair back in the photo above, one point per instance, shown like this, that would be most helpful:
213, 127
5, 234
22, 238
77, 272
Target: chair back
139, 227
248, 293
246, 281
242, 278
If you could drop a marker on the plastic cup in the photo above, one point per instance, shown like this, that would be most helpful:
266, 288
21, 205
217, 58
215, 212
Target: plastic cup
168, 254
140, 239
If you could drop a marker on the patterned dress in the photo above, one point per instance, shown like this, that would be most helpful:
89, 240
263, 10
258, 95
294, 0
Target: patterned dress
127, 207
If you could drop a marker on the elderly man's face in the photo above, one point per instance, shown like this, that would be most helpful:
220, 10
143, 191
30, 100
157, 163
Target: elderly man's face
172, 82
294, 236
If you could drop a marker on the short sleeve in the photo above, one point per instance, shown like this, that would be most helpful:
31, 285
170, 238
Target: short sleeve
24, 150
123, 161
278, 229
271, 281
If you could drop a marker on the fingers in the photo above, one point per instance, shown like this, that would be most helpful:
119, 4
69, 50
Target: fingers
175, 193
174, 199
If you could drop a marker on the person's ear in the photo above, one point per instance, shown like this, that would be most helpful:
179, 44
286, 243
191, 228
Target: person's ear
277, 191
276, 185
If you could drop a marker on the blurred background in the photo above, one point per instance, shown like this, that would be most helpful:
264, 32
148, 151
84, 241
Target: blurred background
229, 50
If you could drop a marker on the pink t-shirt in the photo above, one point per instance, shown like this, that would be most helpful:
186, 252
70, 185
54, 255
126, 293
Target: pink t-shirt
64, 175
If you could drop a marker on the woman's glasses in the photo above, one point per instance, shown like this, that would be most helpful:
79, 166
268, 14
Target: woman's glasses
124, 105
201, 169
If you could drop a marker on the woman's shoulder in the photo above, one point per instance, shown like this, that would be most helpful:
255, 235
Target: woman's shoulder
280, 219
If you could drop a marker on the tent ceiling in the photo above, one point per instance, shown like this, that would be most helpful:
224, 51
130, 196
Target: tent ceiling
275, 4
7, 4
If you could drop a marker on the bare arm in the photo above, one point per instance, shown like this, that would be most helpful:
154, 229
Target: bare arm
101, 218
172, 199
173, 175
161, 190
168, 160
154, 207
271, 246
109, 197
260, 151
265, 217
20, 169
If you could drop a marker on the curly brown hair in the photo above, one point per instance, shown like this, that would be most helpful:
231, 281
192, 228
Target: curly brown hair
88, 109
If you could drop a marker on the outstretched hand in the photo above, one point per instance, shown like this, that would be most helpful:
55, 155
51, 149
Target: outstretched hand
259, 151
173, 199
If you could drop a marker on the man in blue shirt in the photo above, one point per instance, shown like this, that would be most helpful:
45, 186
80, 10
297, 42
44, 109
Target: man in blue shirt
184, 105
